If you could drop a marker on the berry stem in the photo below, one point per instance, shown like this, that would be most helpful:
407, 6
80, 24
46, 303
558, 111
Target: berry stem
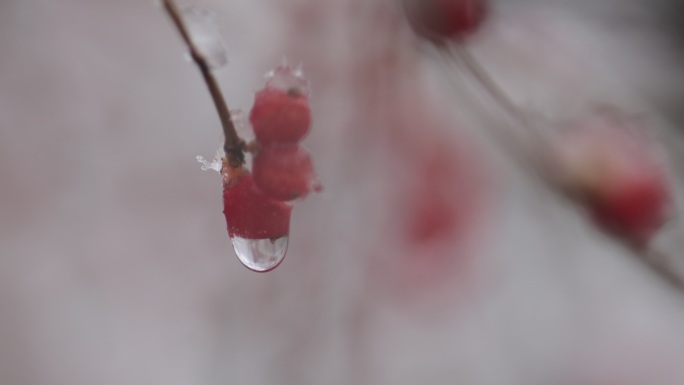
233, 145
486, 81
518, 146
494, 91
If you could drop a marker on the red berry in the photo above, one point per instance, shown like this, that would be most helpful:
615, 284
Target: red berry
617, 175
283, 171
444, 19
435, 207
444, 196
252, 215
280, 115
634, 207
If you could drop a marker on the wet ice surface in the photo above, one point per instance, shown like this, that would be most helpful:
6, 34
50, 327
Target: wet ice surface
118, 270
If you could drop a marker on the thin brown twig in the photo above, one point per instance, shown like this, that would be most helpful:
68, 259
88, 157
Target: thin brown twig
233, 145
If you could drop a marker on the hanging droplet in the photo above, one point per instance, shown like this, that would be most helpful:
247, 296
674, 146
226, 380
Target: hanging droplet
260, 255
257, 225
206, 35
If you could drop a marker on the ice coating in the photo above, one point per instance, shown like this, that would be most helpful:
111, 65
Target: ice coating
205, 33
215, 164
288, 78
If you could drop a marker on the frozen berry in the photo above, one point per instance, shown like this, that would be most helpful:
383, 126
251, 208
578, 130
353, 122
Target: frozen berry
252, 215
282, 116
284, 171
444, 19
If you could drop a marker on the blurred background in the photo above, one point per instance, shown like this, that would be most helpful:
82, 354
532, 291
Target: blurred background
115, 265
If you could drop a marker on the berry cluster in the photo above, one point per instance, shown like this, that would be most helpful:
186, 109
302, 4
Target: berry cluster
281, 118
257, 203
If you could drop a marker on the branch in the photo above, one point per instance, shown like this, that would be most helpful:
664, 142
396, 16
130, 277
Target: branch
233, 145
659, 261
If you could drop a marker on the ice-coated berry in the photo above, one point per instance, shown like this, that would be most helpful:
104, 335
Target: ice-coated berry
444, 19
284, 171
252, 215
281, 116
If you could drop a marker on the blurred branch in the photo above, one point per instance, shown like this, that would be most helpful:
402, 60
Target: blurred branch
233, 146
517, 145
662, 263
513, 142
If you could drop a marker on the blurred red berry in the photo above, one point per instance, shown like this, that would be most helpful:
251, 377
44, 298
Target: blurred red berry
444, 19
284, 171
252, 215
440, 206
282, 116
618, 176
634, 207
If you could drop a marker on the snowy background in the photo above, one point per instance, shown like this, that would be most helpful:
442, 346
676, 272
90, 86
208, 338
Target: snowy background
115, 265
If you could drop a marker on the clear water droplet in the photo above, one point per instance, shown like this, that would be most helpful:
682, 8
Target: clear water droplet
206, 35
286, 78
260, 255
